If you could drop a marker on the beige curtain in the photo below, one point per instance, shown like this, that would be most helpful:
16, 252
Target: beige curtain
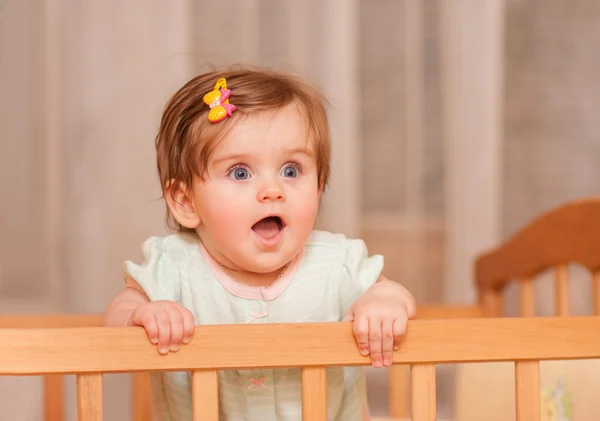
89, 80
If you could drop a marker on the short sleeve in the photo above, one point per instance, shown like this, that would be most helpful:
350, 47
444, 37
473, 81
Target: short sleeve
158, 275
359, 273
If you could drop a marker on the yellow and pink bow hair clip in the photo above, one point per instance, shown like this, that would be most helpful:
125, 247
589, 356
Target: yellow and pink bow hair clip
218, 101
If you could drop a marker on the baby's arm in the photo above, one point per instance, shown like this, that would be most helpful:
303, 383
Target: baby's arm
403, 293
167, 323
122, 306
379, 319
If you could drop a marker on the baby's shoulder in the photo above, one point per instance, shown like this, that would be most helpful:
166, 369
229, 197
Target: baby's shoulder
331, 244
326, 240
177, 247
169, 262
182, 241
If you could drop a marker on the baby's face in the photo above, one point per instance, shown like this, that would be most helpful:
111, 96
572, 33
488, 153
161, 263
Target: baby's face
259, 200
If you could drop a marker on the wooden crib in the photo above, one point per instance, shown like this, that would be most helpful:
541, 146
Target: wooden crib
570, 233
90, 351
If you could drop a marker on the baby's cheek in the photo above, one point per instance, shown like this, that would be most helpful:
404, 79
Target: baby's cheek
236, 220
306, 213
227, 222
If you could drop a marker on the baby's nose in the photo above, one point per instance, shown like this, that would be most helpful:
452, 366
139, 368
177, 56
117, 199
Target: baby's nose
271, 192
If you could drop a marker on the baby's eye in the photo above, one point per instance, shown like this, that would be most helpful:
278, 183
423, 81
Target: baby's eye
239, 173
290, 171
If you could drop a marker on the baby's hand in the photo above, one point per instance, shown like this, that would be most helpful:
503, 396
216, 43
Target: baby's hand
167, 324
379, 318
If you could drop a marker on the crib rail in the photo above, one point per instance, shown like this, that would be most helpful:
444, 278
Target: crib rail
53, 383
107, 350
32, 321
88, 352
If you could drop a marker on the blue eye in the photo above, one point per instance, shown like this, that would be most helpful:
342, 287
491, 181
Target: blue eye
240, 173
290, 172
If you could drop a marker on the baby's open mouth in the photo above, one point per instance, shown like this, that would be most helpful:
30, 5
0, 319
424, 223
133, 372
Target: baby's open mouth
268, 227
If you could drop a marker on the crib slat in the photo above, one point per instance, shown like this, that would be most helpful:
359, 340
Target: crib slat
422, 379
493, 302
53, 397
141, 396
527, 378
89, 397
398, 392
561, 288
205, 395
526, 298
314, 394
596, 292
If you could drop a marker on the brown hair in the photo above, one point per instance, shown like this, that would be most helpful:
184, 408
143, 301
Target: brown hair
186, 139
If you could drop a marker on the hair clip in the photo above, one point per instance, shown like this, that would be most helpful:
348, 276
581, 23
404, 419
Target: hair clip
218, 101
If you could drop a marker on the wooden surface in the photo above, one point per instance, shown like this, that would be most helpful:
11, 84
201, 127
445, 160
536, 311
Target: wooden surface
569, 233
492, 302
33, 321
526, 298
398, 391
141, 393
40, 351
205, 399
89, 397
448, 311
314, 394
596, 292
561, 290
423, 404
527, 388
54, 397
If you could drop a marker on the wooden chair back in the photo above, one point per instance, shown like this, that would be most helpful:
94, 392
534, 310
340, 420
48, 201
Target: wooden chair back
567, 234
53, 384
89, 352
564, 235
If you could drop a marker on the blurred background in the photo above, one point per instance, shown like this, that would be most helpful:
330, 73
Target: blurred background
453, 121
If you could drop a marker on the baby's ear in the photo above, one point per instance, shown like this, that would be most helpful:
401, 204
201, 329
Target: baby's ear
180, 201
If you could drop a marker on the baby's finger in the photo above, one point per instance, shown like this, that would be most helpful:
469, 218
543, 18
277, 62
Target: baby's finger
164, 331
176, 328
387, 342
349, 317
188, 326
375, 342
399, 329
360, 327
147, 321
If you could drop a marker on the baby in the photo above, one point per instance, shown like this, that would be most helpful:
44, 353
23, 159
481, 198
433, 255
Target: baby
243, 158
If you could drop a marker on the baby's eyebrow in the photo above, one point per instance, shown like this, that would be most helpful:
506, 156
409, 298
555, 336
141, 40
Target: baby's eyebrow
231, 157
308, 152
303, 151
